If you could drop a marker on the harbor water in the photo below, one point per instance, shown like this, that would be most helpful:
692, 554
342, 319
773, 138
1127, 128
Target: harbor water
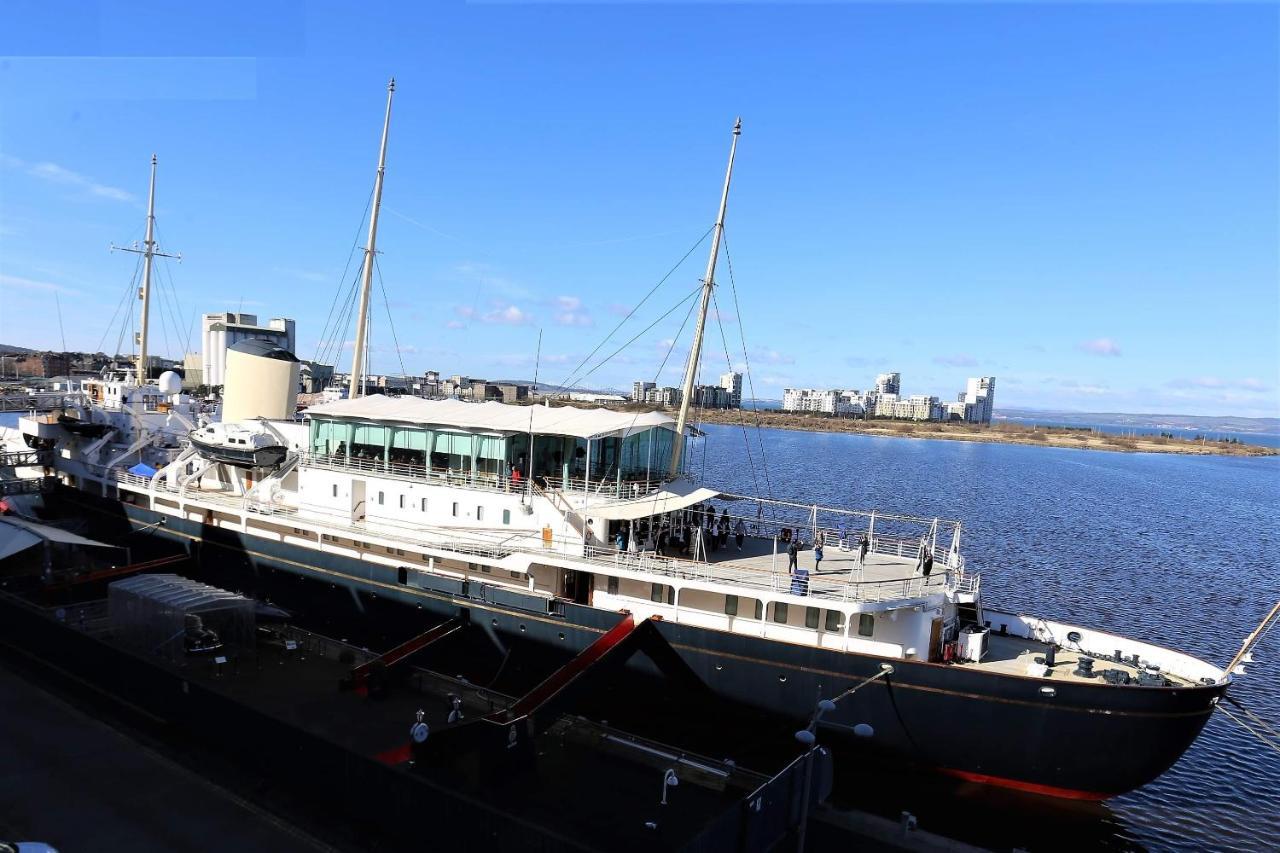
1177, 550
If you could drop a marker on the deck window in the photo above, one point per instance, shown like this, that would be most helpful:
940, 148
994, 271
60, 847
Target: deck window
731, 605
424, 504
833, 620
866, 624
479, 513
335, 490
656, 594
811, 618
780, 612
759, 611
402, 501
381, 495
455, 509
506, 516
613, 585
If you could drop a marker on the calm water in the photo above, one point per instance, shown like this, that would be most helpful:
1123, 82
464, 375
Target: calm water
1177, 550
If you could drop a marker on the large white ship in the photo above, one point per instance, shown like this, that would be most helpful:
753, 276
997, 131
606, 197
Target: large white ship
548, 523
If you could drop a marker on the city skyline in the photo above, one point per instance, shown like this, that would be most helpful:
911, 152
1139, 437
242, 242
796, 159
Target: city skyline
1063, 214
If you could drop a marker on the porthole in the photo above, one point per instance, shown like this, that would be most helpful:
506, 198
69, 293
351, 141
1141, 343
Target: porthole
521, 629
495, 623
782, 679
562, 635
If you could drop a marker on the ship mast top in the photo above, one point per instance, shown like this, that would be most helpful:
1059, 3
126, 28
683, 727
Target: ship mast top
358, 365
708, 283
148, 252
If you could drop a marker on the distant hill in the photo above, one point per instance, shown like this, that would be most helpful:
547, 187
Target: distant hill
6, 349
1206, 423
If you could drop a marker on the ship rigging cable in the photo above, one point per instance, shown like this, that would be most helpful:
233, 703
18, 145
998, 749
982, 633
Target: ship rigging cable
1273, 745
395, 339
573, 374
746, 363
326, 334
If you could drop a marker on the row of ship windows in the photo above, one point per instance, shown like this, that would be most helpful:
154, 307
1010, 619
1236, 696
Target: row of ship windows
422, 506
399, 552
662, 593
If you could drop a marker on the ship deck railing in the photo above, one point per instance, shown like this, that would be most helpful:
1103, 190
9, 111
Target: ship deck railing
764, 571
621, 487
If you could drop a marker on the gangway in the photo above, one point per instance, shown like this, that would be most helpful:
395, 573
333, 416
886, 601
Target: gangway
569, 673
359, 677
503, 734
118, 571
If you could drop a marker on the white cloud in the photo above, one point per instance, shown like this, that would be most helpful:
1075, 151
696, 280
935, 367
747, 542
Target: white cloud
455, 324
569, 312
32, 284
1100, 346
1249, 383
53, 173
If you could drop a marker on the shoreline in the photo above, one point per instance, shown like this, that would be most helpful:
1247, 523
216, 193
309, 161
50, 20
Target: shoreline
1000, 433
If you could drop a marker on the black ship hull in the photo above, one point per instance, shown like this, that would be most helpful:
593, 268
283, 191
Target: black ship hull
1085, 741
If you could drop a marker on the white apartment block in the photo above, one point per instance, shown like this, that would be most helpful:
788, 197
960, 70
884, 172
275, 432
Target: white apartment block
889, 383
222, 330
732, 383
826, 401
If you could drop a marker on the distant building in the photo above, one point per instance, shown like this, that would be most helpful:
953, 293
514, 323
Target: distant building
222, 330
33, 365
712, 397
314, 376
732, 383
981, 392
830, 402
889, 383
666, 396
640, 390
192, 371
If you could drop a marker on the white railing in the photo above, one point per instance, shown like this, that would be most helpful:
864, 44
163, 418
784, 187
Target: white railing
466, 542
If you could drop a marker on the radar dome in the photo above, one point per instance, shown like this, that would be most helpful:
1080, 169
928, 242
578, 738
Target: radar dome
169, 382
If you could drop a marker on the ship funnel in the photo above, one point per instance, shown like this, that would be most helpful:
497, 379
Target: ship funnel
261, 382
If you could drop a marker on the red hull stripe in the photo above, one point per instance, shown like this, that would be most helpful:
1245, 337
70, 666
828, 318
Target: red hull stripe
1029, 787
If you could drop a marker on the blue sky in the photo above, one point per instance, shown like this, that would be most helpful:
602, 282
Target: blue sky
1081, 200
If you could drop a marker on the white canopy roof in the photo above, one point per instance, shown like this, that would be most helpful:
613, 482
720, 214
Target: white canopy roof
18, 534
495, 417
675, 495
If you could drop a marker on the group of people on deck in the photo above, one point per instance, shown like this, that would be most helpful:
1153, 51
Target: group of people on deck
696, 532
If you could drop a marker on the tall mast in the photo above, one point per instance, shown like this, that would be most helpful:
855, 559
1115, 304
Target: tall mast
362, 323
708, 283
147, 255
148, 252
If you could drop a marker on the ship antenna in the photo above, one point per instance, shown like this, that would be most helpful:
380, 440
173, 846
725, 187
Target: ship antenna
708, 283
148, 252
358, 359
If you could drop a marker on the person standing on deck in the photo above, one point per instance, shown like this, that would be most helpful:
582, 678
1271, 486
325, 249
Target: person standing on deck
740, 532
818, 542
927, 565
792, 551
864, 545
